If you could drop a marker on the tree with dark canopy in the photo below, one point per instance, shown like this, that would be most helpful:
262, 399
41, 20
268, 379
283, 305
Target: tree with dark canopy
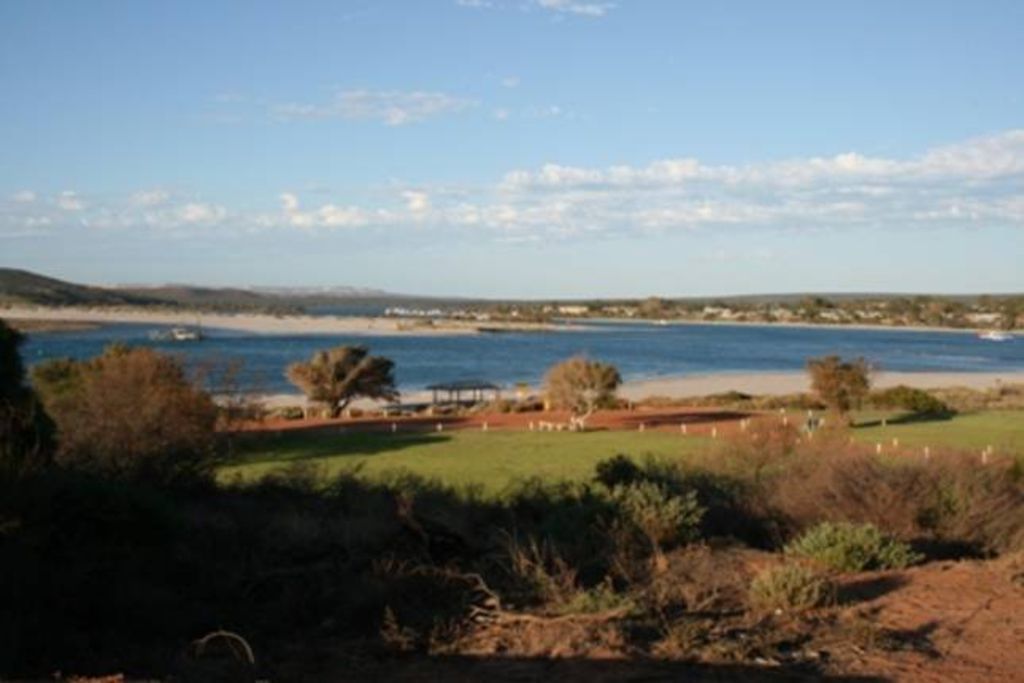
26, 432
337, 376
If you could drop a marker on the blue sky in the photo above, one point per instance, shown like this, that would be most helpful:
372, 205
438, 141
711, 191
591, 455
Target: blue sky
516, 147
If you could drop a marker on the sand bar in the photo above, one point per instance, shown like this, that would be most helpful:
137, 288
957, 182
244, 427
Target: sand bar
267, 324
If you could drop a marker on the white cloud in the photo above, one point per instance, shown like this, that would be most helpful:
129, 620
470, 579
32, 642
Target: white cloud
326, 216
69, 201
510, 82
391, 107
575, 7
195, 213
289, 202
416, 202
23, 197
500, 114
150, 197
590, 9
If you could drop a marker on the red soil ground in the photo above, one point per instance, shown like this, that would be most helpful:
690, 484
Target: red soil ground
697, 420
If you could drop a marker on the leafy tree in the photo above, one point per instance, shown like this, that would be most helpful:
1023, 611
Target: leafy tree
26, 432
130, 412
841, 385
581, 386
337, 376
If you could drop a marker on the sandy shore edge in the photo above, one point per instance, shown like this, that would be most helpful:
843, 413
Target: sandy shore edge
756, 383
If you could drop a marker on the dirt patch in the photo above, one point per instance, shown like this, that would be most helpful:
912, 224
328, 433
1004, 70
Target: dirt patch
945, 621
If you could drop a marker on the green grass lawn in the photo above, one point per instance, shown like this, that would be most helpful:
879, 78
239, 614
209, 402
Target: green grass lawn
490, 460
1001, 429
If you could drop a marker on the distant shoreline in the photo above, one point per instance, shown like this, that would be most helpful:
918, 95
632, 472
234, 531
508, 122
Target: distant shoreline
264, 323
781, 323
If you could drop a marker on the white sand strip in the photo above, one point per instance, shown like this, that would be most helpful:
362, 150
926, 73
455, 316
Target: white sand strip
766, 383
261, 323
774, 383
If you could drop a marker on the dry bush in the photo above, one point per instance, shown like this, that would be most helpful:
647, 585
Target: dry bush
702, 580
540, 575
764, 444
949, 499
975, 504
851, 486
129, 412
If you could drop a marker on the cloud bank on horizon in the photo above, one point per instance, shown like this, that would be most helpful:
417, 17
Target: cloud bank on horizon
972, 183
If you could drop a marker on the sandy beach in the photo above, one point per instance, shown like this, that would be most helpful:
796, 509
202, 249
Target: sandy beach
775, 383
265, 324
764, 383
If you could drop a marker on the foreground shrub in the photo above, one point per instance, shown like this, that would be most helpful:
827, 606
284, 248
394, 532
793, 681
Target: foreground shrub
790, 587
662, 517
853, 547
130, 412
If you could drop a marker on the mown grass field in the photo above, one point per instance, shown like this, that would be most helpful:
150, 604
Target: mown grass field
493, 460
1001, 429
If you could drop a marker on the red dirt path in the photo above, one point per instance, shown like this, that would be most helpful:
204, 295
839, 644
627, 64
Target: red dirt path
698, 421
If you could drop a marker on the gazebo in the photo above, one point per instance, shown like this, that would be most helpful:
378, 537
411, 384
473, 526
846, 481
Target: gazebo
475, 389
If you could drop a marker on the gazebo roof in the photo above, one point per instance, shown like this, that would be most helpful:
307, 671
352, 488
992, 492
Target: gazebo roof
464, 385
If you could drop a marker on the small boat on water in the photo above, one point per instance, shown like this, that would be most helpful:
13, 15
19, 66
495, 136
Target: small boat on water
177, 334
995, 335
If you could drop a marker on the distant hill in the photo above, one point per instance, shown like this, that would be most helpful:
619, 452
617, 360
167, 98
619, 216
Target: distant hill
24, 287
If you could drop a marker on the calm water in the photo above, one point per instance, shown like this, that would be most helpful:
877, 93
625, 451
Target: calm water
639, 351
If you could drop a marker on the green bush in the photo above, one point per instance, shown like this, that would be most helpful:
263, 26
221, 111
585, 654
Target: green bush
618, 471
790, 586
661, 516
908, 398
853, 547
